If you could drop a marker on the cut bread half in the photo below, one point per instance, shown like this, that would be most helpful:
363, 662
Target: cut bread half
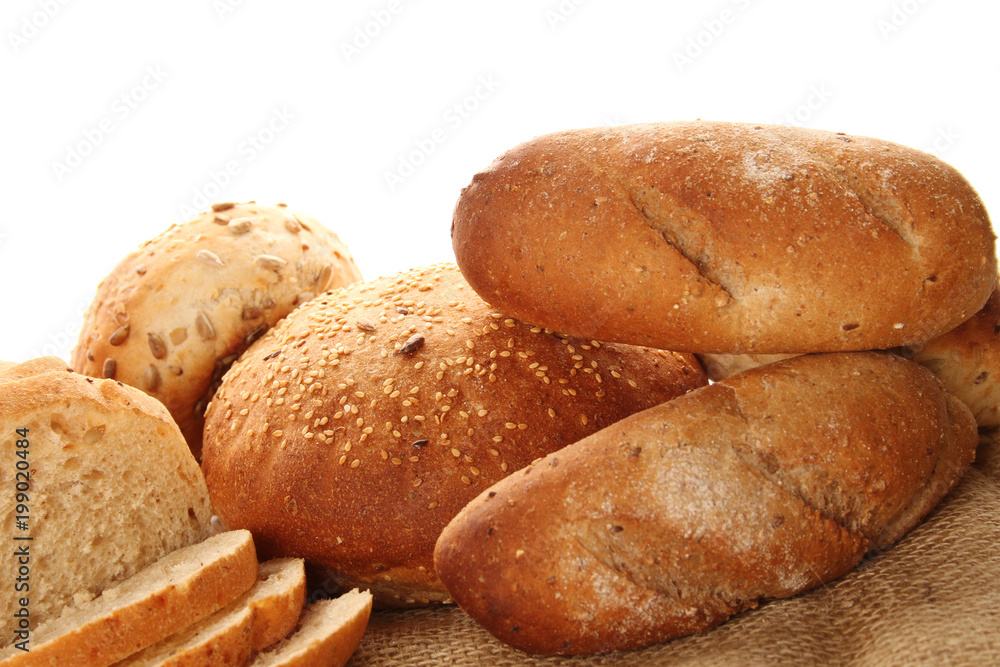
258, 618
326, 636
161, 599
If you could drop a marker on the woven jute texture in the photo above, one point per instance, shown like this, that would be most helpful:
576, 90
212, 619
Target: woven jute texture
932, 599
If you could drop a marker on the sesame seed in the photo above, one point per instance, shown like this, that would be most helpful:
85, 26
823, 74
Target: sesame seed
518, 553
466, 480
355, 463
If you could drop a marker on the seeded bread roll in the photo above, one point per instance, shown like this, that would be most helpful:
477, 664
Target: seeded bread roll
727, 238
99, 478
352, 432
174, 314
761, 486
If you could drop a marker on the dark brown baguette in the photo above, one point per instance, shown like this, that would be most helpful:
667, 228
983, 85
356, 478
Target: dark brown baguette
727, 238
667, 523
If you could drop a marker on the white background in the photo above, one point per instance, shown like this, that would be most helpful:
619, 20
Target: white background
156, 100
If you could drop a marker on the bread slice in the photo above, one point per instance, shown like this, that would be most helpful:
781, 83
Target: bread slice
216, 641
165, 597
327, 634
258, 618
276, 601
113, 486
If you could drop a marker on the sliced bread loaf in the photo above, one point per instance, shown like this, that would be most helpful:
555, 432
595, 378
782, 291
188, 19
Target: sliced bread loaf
165, 597
327, 634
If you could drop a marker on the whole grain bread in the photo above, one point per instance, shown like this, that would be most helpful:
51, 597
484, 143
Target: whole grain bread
326, 636
352, 432
667, 523
163, 598
263, 615
100, 485
176, 312
727, 238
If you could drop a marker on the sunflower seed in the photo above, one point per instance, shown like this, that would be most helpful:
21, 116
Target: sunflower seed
141, 269
209, 257
323, 279
292, 225
157, 346
221, 220
254, 334
270, 262
412, 344
120, 335
151, 378
241, 225
222, 206
365, 324
204, 326
272, 355
110, 366
252, 313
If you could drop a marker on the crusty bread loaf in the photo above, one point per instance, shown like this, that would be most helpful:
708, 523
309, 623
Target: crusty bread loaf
176, 312
109, 486
165, 597
263, 615
327, 635
354, 430
665, 524
727, 238
967, 361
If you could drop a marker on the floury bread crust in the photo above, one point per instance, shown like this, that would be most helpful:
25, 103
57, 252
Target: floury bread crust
359, 426
727, 238
670, 521
176, 312
113, 485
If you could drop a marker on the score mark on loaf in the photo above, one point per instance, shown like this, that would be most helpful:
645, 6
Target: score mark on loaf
727, 238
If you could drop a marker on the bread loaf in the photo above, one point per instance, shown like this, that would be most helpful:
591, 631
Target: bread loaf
965, 359
727, 238
182, 587
176, 312
668, 522
100, 480
352, 432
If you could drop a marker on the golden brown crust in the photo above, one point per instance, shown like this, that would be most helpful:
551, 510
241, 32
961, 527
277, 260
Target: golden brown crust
352, 432
328, 633
967, 360
167, 596
763, 485
176, 312
727, 238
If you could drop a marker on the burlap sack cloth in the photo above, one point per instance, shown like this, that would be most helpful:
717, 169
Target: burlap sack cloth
932, 599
